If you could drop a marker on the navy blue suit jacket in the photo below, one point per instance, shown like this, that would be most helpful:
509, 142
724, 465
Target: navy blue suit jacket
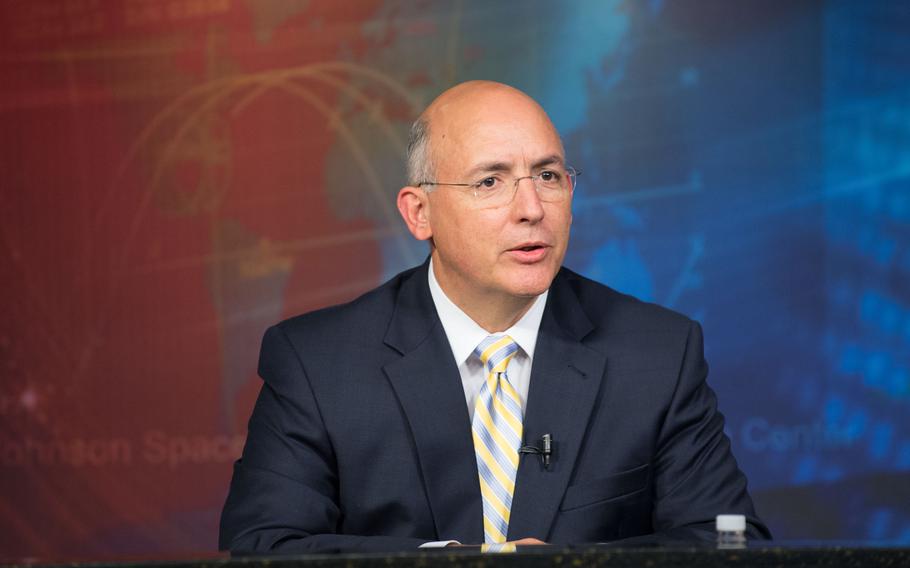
360, 439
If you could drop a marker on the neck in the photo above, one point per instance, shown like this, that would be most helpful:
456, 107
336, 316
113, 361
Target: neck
494, 312
497, 316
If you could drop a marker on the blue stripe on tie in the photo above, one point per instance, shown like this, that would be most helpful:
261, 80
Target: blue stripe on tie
499, 548
489, 442
485, 397
488, 340
502, 528
493, 516
501, 493
506, 431
512, 407
511, 404
502, 425
498, 357
490, 538
491, 446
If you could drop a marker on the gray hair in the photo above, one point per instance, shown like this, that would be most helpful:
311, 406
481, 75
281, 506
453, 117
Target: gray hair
420, 164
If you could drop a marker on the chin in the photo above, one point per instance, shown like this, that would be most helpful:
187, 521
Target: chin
530, 285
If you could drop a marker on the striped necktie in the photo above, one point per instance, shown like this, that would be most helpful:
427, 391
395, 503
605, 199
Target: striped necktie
497, 436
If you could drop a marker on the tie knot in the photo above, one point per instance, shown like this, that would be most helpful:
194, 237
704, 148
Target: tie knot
495, 352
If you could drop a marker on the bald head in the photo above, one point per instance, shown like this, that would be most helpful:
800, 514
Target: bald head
454, 112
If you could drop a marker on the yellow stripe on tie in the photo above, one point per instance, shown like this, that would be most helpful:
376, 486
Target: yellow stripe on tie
499, 548
494, 347
514, 421
495, 469
490, 529
498, 438
493, 500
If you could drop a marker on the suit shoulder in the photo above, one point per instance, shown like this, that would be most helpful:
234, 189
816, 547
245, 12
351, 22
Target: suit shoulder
612, 310
368, 312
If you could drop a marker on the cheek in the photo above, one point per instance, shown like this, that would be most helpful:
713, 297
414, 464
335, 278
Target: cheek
481, 231
560, 221
465, 240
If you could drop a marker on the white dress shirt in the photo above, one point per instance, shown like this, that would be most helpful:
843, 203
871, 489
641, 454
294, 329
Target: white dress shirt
464, 335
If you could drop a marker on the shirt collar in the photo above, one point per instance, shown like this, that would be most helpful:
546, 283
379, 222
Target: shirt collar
465, 334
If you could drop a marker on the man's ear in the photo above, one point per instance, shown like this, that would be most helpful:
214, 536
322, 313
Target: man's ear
414, 206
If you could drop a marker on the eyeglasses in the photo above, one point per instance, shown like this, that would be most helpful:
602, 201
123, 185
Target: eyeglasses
552, 185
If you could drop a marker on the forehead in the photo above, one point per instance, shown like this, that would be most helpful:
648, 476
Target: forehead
504, 127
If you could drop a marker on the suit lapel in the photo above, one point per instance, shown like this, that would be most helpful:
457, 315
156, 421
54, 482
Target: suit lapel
565, 381
428, 386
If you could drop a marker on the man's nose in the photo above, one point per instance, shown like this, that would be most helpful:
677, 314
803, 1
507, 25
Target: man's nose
526, 201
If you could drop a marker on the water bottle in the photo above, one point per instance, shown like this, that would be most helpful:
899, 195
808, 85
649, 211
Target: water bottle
731, 531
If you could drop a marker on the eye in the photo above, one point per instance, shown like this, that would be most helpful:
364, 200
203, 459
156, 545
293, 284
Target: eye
487, 183
549, 176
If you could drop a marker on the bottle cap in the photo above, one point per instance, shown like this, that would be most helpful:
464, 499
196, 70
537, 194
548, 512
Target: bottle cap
734, 523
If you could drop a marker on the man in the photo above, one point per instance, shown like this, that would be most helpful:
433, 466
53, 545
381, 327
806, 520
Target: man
398, 420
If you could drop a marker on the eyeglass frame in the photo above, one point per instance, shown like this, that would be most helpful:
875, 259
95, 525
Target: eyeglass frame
570, 172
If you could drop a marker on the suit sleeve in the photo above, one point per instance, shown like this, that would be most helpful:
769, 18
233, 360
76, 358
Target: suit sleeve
696, 475
283, 497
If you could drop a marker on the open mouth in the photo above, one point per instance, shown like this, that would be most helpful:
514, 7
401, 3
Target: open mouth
531, 252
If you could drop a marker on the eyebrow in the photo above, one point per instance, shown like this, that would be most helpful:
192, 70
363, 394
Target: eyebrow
507, 167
